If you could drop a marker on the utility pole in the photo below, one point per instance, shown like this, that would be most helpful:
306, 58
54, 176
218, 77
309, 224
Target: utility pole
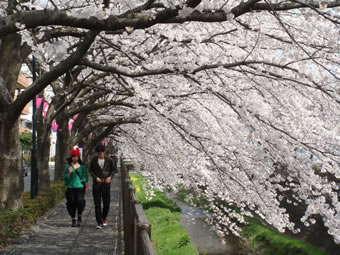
34, 165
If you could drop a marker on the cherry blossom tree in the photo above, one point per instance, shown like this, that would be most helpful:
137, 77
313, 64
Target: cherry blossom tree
234, 112
10, 111
229, 91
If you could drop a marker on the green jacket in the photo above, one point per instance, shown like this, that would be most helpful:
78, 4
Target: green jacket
74, 181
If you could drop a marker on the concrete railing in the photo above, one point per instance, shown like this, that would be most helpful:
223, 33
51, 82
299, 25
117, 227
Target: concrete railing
137, 229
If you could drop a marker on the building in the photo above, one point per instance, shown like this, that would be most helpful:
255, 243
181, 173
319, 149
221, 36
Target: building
25, 123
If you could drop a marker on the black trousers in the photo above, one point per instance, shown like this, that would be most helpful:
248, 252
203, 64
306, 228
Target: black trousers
101, 192
75, 201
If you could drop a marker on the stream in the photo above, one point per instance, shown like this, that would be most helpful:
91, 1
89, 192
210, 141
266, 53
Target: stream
203, 239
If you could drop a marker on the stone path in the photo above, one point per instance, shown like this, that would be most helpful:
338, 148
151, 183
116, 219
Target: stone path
53, 233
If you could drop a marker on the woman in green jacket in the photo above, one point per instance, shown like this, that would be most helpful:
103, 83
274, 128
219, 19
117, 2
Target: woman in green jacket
76, 179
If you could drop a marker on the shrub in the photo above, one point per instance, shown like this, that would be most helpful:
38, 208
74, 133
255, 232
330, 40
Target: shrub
13, 222
183, 241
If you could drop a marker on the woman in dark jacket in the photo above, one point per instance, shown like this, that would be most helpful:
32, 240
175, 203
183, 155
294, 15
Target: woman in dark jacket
76, 179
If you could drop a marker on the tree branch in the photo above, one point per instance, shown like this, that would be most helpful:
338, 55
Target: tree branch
49, 77
36, 18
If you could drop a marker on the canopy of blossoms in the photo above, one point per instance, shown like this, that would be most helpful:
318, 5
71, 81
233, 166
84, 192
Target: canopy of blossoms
240, 98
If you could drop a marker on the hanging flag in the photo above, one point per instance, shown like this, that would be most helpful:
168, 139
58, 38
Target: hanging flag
45, 106
75, 116
54, 126
70, 125
38, 101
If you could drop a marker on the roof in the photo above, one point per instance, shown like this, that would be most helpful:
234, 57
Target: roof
23, 81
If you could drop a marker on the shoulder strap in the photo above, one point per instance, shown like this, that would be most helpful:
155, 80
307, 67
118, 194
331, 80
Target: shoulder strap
78, 175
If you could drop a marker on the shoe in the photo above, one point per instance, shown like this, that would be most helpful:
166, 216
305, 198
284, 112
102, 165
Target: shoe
104, 223
99, 226
79, 221
73, 223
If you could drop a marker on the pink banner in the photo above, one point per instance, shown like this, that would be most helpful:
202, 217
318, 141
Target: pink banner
44, 114
45, 106
70, 125
54, 126
38, 101
75, 116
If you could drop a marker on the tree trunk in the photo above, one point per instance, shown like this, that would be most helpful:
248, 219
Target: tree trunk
43, 166
11, 177
43, 156
43, 151
62, 150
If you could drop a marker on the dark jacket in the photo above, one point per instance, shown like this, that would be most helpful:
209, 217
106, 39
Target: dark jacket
102, 173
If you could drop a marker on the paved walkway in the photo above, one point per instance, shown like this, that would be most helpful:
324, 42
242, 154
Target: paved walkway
27, 179
53, 233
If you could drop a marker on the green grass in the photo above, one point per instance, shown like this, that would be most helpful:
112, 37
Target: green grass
168, 235
261, 239
269, 241
12, 222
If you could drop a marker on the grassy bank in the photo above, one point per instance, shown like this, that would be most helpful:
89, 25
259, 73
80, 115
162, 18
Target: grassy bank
13, 222
261, 239
268, 241
168, 235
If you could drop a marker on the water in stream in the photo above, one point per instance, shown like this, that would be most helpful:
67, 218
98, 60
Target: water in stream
203, 239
